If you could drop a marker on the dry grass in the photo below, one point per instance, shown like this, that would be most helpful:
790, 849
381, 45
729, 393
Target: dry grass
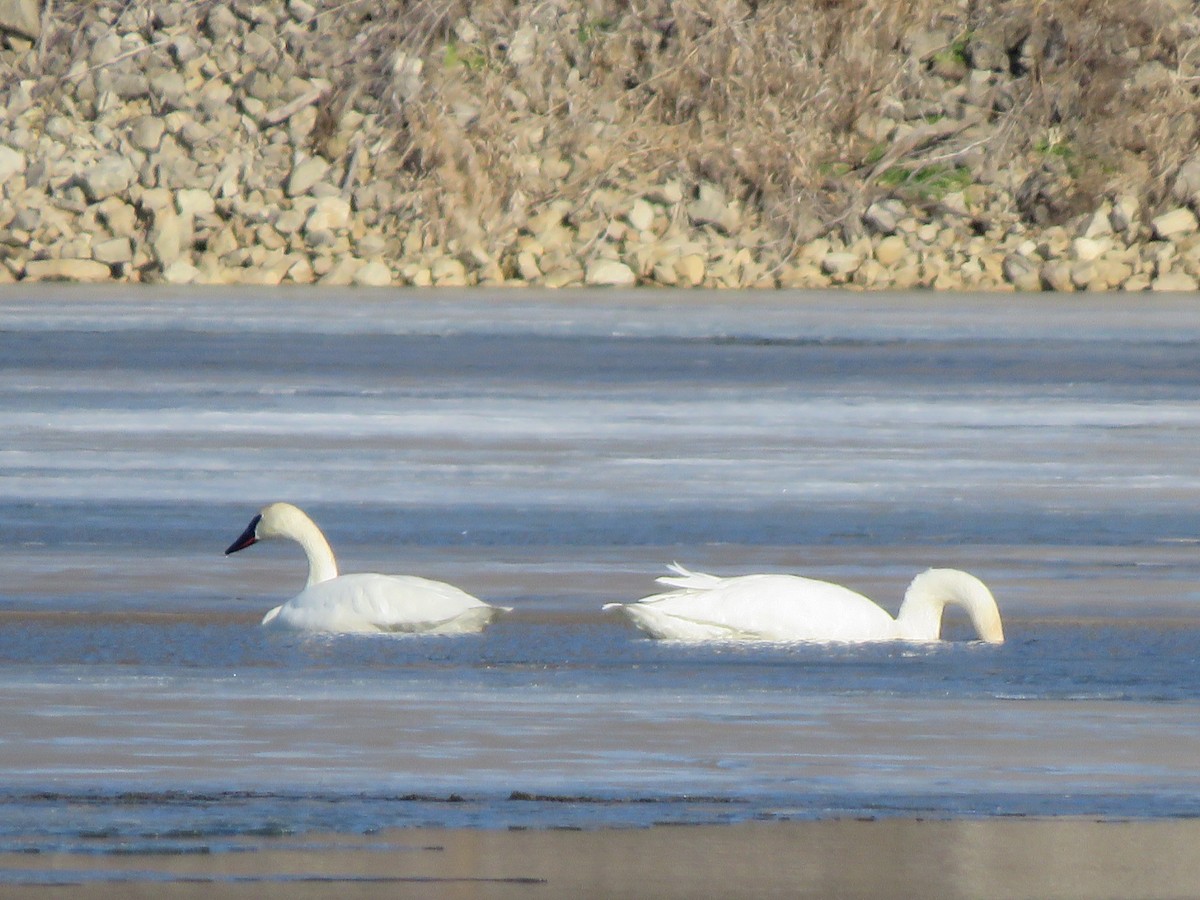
774, 100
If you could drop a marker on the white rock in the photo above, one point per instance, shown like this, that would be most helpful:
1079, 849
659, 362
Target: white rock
373, 274
712, 208
418, 276
1174, 281
883, 217
305, 174
1021, 273
1086, 249
1084, 274
328, 214
147, 133
664, 273
81, 270
23, 17
522, 46
1098, 224
1056, 275
171, 90
12, 162
609, 273
1180, 220
641, 215
290, 221
668, 193
689, 269
840, 262
1124, 213
166, 236
527, 266
448, 272
1113, 272
180, 272
301, 271
110, 175
220, 22
114, 251
891, 250
192, 202
1187, 180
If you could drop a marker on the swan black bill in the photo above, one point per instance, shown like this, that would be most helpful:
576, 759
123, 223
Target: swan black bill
246, 538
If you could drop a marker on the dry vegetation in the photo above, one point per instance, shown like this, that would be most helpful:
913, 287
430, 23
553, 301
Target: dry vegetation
790, 106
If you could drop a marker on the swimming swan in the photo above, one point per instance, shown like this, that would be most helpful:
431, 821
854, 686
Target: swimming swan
359, 603
791, 608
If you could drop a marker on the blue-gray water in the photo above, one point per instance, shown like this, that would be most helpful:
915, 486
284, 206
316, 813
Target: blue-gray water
553, 453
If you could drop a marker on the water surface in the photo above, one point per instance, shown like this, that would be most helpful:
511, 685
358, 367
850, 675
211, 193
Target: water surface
553, 453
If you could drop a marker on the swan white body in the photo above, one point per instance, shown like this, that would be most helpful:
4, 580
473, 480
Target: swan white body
791, 608
362, 603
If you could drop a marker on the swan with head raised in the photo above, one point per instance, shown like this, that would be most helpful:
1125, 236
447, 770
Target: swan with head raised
791, 608
359, 603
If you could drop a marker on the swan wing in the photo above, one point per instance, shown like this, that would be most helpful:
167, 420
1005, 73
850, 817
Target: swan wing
395, 603
762, 607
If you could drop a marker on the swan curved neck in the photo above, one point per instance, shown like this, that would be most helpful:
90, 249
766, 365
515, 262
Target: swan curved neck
920, 616
282, 520
321, 563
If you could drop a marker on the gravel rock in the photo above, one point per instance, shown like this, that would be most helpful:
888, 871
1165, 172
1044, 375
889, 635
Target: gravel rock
22, 17
146, 133
305, 174
12, 163
111, 175
883, 218
1022, 273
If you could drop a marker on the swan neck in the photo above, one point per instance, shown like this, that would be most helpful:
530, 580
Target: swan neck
920, 616
321, 563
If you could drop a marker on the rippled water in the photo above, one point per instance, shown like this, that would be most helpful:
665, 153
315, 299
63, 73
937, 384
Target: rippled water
553, 453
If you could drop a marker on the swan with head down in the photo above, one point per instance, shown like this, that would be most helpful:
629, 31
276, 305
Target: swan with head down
362, 603
792, 608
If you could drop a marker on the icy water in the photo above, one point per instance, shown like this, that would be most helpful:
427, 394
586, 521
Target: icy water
553, 453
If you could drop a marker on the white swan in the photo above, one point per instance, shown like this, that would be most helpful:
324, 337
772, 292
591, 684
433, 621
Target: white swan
359, 603
791, 608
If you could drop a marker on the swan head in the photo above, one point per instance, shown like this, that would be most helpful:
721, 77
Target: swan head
275, 520
282, 520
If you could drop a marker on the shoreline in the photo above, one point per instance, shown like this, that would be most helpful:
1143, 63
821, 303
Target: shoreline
1042, 858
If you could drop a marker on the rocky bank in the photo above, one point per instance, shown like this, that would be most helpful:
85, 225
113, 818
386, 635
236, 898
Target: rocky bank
947, 145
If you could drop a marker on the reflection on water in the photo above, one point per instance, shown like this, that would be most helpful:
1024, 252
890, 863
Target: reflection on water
553, 455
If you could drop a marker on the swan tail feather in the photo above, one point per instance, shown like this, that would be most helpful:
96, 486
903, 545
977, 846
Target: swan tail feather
686, 578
